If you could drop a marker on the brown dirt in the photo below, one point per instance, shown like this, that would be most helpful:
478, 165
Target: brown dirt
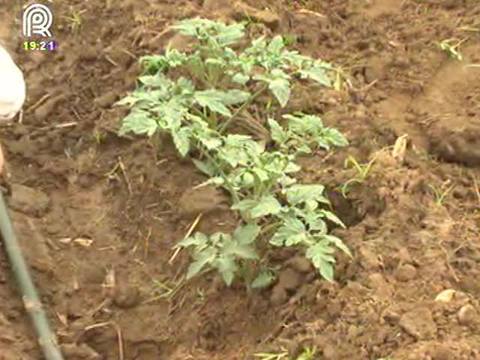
98, 221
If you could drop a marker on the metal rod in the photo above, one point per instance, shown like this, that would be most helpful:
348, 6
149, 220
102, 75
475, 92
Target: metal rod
31, 301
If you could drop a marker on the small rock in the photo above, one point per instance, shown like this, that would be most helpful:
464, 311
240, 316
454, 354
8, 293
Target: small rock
126, 297
29, 201
406, 272
445, 296
419, 323
289, 279
300, 264
279, 296
467, 315
107, 99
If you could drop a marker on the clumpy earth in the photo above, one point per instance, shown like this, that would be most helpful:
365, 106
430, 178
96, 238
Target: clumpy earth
98, 215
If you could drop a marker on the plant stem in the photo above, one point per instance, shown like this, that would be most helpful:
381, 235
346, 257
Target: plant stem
227, 123
31, 300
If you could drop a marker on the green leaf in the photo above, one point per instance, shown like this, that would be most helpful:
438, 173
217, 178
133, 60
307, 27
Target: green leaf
181, 139
281, 89
198, 240
300, 193
263, 280
276, 45
335, 137
212, 99
317, 74
204, 167
242, 251
247, 234
139, 122
338, 243
230, 34
240, 78
201, 260
227, 267
267, 205
233, 97
321, 256
279, 135
333, 218
292, 232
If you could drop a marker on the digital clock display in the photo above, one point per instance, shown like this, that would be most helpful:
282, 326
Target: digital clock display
40, 45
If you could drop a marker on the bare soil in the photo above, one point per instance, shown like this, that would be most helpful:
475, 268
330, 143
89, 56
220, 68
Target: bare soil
98, 215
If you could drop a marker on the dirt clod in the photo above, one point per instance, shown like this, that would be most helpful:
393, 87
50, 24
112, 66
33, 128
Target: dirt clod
28, 200
106, 100
279, 296
300, 264
79, 352
126, 296
201, 200
406, 272
419, 323
289, 279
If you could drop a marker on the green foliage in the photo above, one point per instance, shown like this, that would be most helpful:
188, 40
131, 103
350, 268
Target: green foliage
304, 134
193, 96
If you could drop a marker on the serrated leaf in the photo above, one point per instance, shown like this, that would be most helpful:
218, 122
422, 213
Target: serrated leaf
140, 123
279, 135
318, 74
240, 78
338, 243
333, 218
227, 267
300, 193
199, 240
201, 260
213, 100
204, 167
292, 232
234, 97
267, 205
246, 234
276, 45
281, 90
321, 256
230, 34
263, 280
181, 139
335, 137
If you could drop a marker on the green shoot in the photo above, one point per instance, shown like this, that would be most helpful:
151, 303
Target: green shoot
74, 20
307, 354
363, 170
440, 193
450, 46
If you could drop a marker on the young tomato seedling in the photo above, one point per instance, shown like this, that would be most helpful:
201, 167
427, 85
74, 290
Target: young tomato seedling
196, 97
